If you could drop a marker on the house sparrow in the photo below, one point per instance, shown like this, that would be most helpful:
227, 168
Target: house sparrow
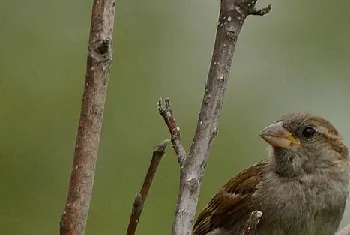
301, 188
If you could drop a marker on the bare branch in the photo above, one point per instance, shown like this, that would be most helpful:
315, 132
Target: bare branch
345, 230
167, 114
158, 153
74, 218
251, 223
261, 12
231, 19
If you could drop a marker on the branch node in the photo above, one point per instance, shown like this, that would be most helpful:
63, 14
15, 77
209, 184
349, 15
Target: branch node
167, 105
260, 12
101, 49
231, 34
137, 206
193, 183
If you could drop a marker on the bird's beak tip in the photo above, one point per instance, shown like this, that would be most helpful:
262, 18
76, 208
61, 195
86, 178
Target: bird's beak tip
277, 136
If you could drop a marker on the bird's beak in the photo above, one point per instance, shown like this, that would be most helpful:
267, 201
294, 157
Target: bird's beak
277, 136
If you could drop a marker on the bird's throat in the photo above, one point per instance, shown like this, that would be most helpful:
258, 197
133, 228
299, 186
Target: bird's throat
285, 162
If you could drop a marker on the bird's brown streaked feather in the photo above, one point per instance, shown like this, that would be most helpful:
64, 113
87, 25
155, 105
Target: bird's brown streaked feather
229, 205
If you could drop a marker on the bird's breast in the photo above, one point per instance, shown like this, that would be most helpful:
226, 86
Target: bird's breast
300, 206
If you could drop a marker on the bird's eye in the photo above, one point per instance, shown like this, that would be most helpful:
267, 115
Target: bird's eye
309, 132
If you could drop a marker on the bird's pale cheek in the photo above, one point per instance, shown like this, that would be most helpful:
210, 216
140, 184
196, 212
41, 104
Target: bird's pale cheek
277, 136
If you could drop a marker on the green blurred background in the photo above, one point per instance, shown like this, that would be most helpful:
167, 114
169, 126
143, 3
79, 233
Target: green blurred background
294, 59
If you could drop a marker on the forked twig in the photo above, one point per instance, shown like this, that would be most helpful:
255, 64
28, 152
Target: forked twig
231, 19
166, 112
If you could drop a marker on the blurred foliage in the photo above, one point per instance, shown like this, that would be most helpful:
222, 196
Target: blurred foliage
294, 59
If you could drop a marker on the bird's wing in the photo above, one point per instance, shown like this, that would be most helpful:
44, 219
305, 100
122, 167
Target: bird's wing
231, 203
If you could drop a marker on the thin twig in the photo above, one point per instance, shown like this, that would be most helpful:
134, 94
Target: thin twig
166, 112
158, 153
261, 12
231, 19
252, 222
74, 218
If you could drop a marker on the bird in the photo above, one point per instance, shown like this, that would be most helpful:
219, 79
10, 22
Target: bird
301, 187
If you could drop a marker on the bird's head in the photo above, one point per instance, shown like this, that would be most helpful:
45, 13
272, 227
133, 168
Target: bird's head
305, 143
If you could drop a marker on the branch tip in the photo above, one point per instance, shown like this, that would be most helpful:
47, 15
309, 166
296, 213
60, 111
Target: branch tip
260, 12
167, 105
160, 148
165, 111
140, 198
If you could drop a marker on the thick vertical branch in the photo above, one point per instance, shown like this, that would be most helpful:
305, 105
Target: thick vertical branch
99, 59
231, 19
